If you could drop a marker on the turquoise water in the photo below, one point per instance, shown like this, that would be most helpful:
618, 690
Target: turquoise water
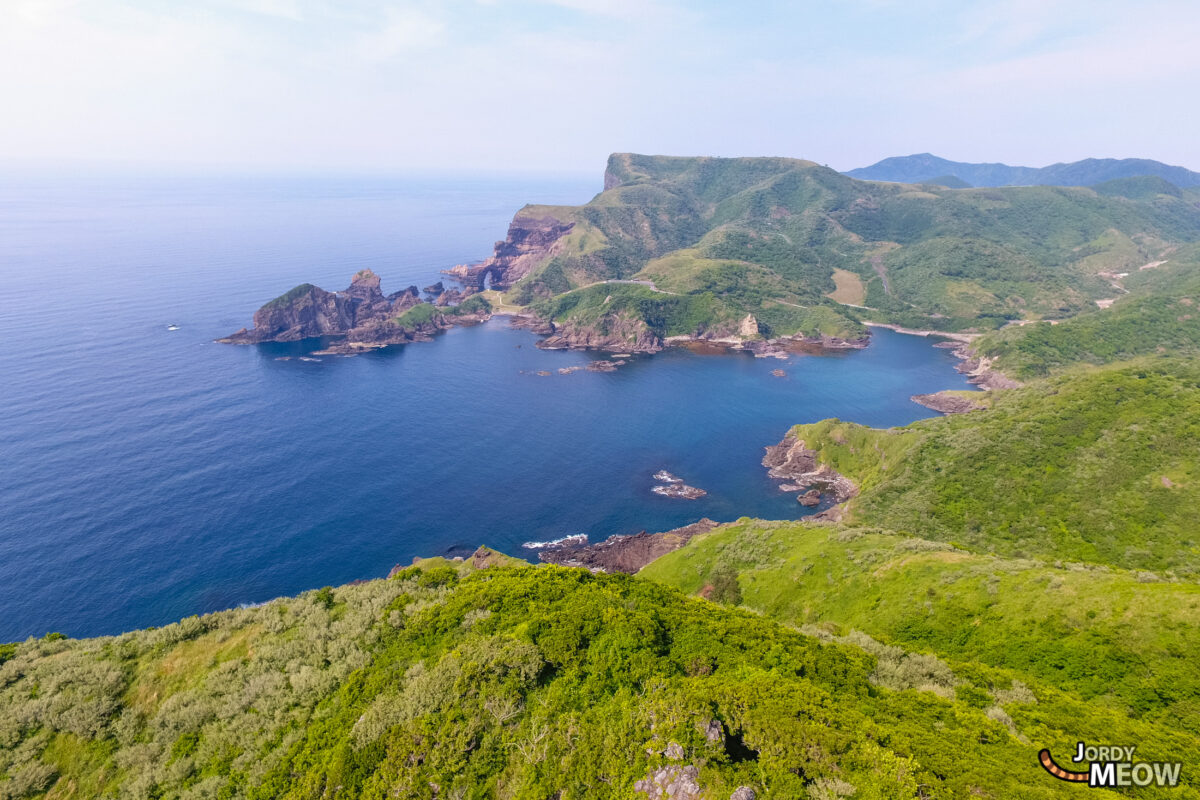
149, 474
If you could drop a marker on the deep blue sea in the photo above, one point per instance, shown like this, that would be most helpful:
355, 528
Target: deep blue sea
148, 474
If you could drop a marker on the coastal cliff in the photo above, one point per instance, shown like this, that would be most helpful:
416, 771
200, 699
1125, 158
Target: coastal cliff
531, 240
359, 318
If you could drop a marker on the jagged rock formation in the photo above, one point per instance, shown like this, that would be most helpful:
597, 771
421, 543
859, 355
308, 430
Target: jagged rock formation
531, 241
358, 318
625, 553
793, 462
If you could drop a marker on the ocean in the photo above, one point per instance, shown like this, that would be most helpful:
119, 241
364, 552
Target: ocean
148, 474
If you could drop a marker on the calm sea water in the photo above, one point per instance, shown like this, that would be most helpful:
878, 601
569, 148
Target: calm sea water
148, 474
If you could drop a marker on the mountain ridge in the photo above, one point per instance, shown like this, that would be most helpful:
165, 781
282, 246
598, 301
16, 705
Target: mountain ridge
926, 167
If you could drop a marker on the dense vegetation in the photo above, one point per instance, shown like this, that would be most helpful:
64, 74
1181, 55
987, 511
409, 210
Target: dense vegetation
1161, 315
991, 594
448, 681
750, 232
1114, 638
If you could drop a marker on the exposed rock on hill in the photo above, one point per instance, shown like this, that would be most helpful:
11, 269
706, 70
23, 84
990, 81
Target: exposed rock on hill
359, 318
946, 402
791, 461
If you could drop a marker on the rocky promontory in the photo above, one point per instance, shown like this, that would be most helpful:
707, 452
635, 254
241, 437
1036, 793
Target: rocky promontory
946, 402
624, 553
799, 467
357, 319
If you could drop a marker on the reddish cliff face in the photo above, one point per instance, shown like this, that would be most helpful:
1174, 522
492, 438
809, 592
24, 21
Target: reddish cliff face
530, 242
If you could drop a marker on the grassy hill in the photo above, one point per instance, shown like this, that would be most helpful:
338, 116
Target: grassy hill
1047, 545
748, 231
526, 682
1095, 465
1108, 637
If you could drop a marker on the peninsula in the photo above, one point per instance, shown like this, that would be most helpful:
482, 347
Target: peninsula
772, 254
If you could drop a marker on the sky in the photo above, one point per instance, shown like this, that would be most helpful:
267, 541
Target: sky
556, 85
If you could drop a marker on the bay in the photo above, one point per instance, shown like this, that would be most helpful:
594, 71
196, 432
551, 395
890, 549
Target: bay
148, 474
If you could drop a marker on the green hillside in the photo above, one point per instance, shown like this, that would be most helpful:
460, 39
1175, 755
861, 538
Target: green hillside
1110, 637
522, 682
1096, 466
1160, 316
1047, 545
756, 229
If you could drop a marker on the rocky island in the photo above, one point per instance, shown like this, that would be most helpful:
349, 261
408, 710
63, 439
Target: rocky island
670, 485
361, 317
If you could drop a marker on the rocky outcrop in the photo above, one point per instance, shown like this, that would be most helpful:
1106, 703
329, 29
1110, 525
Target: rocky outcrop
304, 312
671, 783
673, 486
624, 553
532, 324
748, 327
794, 463
979, 370
531, 241
617, 331
357, 319
946, 402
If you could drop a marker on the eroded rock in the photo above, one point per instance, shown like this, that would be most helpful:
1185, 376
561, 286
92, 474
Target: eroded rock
624, 553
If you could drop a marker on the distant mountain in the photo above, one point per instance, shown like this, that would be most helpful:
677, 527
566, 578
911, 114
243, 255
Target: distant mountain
926, 168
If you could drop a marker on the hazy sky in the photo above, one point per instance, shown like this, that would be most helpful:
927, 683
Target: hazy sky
558, 84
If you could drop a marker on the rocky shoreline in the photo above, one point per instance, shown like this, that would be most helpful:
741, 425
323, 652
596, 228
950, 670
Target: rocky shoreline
635, 338
625, 553
977, 368
792, 462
